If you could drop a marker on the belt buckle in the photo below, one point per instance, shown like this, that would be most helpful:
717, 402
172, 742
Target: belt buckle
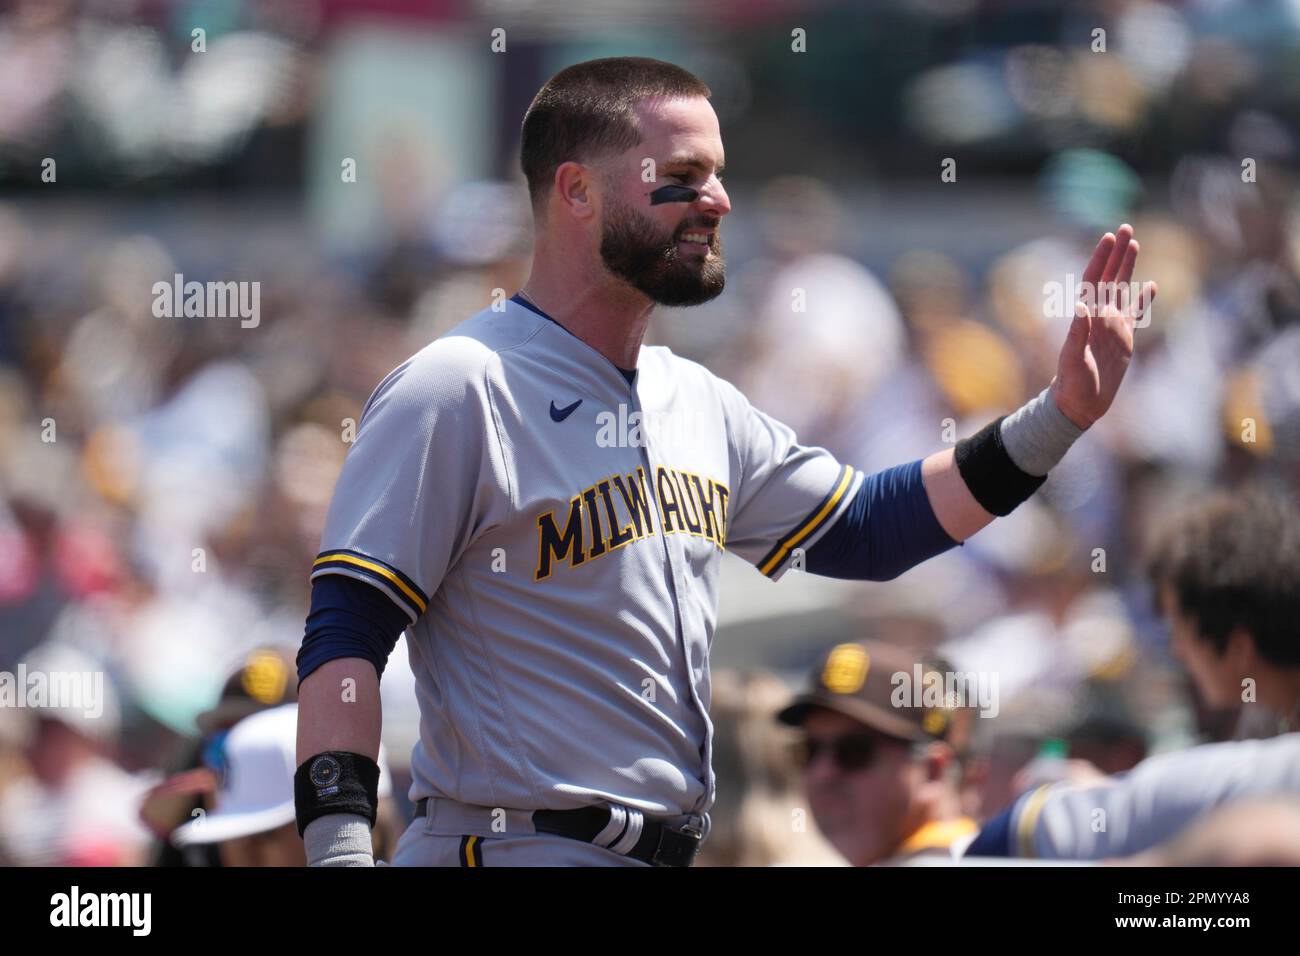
677, 845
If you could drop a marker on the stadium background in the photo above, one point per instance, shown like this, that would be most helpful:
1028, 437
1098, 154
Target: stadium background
168, 526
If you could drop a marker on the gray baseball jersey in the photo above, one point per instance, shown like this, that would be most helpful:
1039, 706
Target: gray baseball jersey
555, 536
1152, 802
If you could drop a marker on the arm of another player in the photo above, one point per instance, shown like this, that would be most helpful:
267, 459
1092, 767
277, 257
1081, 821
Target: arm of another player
1143, 807
1091, 366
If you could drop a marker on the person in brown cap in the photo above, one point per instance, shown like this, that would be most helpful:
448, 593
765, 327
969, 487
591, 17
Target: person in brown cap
881, 753
266, 678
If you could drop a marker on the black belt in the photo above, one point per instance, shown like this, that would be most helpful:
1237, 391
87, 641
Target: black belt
660, 844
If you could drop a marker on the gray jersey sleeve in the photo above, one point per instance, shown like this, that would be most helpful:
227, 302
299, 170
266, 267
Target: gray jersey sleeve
787, 495
409, 498
1153, 801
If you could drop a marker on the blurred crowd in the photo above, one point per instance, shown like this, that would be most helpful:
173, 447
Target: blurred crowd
164, 481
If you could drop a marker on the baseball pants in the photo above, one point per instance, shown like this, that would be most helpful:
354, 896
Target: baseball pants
458, 834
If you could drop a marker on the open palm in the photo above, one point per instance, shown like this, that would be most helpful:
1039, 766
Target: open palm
1099, 344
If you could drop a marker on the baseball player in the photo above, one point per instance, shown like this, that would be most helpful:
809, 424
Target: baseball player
1132, 812
542, 504
1227, 578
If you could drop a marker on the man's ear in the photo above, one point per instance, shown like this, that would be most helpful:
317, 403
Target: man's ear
574, 184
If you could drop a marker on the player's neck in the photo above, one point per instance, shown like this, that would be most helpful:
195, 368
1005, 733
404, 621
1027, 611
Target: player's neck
608, 315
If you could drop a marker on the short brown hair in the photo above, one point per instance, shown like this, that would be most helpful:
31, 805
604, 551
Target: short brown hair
1233, 561
585, 111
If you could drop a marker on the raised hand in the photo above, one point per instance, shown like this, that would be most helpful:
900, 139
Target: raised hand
1100, 341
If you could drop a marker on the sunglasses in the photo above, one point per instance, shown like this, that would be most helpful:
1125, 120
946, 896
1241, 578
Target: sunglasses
849, 752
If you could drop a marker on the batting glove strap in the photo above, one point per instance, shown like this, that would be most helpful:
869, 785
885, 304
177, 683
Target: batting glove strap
989, 472
336, 781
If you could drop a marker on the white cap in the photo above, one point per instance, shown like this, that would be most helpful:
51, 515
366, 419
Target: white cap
256, 794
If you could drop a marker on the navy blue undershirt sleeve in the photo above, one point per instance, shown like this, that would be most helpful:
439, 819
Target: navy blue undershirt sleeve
887, 528
349, 618
994, 838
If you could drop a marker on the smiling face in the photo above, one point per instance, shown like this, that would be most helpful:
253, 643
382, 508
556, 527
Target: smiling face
670, 251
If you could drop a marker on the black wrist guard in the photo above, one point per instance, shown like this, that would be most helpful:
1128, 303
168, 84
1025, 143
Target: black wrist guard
336, 781
990, 474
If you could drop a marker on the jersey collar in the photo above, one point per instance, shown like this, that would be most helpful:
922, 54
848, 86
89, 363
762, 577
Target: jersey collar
629, 374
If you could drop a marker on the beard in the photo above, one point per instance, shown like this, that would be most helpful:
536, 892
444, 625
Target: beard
633, 248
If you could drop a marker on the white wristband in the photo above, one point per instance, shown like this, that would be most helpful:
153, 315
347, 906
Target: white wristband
1037, 435
339, 839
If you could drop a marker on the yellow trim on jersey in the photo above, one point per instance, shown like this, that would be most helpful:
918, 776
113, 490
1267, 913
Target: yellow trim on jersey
939, 834
1029, 820
378, 569
470, 859
812, 524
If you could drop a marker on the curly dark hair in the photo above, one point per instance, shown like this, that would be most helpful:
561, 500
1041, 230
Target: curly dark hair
1233, 561
585, 111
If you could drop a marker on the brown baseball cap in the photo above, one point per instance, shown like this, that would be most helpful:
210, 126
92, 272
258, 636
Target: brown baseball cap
887, 688
268, 677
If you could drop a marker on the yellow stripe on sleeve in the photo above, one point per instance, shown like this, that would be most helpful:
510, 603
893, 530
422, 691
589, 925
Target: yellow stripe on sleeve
1029, 820
812, 524
378, 569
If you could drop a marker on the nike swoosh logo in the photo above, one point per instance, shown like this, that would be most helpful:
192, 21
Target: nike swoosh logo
560, 414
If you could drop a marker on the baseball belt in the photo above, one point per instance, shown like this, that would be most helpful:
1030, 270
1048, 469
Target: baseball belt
618, 828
